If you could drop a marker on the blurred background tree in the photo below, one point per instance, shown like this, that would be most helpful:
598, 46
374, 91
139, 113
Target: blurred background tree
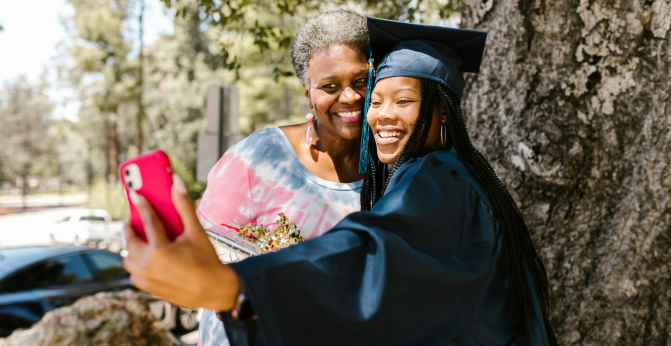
27, 149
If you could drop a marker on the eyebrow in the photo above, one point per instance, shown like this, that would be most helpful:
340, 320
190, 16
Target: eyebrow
397, 90
331, 77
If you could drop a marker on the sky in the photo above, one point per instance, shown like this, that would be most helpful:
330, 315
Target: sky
33, 29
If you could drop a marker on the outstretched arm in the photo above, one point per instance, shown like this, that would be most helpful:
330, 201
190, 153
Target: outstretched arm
186, 272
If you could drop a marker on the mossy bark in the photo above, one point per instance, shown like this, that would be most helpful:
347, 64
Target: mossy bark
571, 108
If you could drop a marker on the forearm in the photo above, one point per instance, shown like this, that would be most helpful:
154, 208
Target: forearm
221, 294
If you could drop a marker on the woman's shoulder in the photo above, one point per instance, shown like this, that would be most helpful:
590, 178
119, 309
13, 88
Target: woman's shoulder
268, 135
435, 164
442, 167
262, 145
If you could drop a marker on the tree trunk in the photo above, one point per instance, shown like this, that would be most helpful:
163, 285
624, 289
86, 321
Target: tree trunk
140, 83
113, 151
570, 108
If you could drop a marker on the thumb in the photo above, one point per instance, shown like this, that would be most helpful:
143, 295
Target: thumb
184, 204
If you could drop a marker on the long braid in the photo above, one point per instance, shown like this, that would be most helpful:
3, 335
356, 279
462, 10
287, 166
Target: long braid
518, 248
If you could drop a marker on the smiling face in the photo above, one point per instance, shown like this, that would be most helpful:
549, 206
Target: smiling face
338, 80
393, 113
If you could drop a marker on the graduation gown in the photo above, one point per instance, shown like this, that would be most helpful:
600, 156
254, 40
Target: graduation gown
423, 267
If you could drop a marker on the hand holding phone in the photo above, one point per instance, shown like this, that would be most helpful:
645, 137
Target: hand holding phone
150, 175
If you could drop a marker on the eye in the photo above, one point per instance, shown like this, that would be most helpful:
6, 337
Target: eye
329, 86
375, 103
361, 81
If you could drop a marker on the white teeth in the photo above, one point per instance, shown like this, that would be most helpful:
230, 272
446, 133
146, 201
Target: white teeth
385, 134
351, 114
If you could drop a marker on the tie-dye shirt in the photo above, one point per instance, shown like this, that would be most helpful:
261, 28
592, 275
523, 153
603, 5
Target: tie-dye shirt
260, 177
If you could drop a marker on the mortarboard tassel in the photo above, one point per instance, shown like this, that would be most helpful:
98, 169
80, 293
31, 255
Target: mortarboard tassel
365, 155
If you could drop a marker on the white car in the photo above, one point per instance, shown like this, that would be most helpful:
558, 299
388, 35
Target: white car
83, 226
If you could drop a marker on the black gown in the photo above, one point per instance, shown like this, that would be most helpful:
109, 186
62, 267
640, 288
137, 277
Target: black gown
423, 267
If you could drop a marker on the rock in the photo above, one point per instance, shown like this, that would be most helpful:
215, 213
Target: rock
102, 319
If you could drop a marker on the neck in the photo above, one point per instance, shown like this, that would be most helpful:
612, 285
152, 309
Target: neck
338, 148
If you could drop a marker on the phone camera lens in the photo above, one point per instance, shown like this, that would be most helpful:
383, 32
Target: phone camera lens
130, 184
127, 172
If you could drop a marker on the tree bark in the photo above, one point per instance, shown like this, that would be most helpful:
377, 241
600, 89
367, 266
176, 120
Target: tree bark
570, 107
113, 140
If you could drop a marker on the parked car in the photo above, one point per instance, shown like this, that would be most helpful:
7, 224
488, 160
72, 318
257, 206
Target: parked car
83, 226
38, 279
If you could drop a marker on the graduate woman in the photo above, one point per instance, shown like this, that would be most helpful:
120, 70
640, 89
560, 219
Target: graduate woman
440, 257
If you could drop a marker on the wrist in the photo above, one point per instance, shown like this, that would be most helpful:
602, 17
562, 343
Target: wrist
227, 288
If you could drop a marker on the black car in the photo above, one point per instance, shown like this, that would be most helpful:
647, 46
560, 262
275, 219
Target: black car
38, 279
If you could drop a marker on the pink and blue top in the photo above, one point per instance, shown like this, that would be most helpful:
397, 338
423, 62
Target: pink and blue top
261, 176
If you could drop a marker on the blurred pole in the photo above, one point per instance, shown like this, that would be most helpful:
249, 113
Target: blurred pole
140, 83
222, 128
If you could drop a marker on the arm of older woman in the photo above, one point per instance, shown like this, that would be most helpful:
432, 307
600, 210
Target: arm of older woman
186, 272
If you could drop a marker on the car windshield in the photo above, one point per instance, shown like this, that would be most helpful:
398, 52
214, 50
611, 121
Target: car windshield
91, 218
67, 270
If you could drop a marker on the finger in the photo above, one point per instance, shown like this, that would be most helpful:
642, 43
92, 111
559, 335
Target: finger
134, 245
152, 224
130, 266
184, 204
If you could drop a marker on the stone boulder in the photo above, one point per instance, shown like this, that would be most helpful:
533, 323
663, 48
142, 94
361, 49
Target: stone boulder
109, 319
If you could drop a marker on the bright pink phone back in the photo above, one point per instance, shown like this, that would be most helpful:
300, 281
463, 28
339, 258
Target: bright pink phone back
156, 173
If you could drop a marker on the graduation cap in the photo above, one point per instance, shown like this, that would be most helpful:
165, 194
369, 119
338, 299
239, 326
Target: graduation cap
431, 52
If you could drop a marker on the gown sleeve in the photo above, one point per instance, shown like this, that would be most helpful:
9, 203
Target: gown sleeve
417, 269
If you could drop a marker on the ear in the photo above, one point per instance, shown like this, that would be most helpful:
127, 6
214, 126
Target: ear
441, 111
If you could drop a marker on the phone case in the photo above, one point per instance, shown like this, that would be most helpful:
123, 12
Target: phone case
155, 182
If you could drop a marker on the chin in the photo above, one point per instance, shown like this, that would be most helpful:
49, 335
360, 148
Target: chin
350, 133
386, 158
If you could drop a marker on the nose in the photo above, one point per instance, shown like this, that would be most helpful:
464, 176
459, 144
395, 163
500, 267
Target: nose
349, 96
386, 112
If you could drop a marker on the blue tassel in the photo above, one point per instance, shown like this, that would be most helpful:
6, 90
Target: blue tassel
365, 156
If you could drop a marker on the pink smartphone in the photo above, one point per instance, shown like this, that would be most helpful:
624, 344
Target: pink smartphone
150, 175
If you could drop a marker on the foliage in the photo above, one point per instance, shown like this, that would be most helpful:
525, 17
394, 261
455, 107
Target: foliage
272, 24
109, 197
26, 145
194, 188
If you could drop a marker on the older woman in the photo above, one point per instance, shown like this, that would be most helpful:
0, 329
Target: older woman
307, 171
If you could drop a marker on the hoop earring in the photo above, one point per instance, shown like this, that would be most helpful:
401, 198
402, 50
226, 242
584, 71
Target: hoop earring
443, 134
309, 118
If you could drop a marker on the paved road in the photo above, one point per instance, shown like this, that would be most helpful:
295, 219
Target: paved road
29, 228
32, 227
43, 200
10, 204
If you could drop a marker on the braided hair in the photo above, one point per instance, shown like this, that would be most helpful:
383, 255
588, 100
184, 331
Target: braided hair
518, 248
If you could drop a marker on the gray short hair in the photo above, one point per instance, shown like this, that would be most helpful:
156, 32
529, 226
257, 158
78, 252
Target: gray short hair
326, 29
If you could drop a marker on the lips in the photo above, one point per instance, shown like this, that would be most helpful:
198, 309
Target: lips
349, 116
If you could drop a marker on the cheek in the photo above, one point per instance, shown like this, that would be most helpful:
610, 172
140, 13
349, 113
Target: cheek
322, 102
370, 117
409, 118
